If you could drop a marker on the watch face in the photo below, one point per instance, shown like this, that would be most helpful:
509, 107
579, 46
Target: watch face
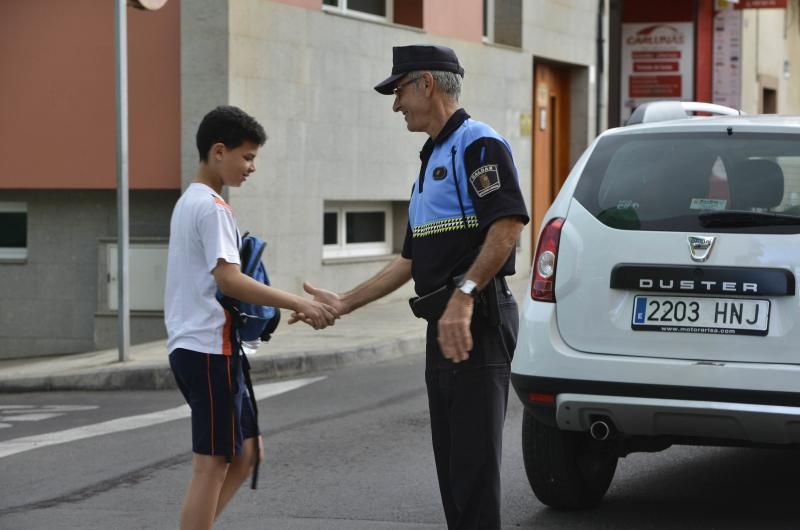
468, 287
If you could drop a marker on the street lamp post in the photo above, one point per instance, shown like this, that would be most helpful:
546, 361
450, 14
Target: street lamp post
123, 294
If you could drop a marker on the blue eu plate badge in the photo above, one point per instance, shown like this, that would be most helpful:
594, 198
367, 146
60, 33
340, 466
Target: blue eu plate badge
640, 311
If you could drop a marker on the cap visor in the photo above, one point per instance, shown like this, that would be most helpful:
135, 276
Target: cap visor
386, 87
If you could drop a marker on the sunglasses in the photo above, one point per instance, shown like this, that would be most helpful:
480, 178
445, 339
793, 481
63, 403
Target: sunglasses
398, 88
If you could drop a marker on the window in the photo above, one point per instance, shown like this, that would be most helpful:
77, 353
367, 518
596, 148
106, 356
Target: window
357, 229
502, 22
13, 231
695, 182
374, 9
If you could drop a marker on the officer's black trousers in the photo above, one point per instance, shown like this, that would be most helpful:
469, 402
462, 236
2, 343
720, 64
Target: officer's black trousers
467, 407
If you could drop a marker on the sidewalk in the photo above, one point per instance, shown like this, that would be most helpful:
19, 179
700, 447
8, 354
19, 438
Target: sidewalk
380, 331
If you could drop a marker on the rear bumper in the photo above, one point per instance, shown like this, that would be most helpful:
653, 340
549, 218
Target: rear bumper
760, 424
659, 410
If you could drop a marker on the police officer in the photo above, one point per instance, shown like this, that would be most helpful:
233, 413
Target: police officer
465, 215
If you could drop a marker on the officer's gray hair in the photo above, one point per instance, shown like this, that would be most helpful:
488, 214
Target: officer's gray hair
449, 83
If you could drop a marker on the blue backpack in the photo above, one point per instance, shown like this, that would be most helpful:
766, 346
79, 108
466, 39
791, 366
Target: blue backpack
252, 321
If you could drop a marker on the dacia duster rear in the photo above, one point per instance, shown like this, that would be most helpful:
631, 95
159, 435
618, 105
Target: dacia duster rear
663, 305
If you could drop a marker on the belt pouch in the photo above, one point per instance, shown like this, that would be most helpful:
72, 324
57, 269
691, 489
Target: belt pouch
432, 305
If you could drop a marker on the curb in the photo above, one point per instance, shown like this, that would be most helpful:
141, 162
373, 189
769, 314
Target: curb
159, 377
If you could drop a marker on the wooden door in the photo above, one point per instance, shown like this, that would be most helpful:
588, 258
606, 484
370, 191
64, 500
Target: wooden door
551, 135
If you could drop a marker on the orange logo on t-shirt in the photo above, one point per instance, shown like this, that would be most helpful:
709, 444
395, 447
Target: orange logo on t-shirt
221, 202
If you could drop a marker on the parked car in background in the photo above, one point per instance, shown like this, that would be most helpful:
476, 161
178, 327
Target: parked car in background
663, 305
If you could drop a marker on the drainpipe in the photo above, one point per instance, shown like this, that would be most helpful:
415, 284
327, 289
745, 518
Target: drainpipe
601, 8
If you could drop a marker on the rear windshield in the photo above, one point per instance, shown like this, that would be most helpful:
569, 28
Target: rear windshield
712, 182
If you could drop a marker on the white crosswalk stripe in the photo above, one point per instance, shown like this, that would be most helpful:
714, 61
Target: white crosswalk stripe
32, 417
25, 413
19, 409
28, 443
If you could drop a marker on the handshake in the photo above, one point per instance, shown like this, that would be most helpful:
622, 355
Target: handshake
320, 312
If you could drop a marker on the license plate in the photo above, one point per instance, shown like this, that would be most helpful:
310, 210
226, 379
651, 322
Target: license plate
719, 316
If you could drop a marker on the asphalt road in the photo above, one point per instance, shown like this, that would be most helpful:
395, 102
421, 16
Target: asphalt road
350, 451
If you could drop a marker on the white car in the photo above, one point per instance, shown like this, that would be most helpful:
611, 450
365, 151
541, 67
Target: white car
663, 306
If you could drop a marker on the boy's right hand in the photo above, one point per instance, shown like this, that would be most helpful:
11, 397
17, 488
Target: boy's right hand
316, 314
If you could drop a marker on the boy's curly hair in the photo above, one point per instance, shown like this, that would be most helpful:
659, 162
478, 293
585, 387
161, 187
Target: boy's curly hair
230, 126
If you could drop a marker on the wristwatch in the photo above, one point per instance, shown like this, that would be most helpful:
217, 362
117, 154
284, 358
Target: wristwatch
469, 288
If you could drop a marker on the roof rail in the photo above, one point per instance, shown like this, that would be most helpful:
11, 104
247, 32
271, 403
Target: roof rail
655, 111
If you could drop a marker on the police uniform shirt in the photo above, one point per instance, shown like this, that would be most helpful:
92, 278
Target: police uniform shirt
471, 161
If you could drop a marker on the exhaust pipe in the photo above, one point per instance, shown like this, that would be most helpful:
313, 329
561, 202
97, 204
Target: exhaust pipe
600, 429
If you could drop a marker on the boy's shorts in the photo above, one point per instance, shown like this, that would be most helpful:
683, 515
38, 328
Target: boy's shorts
222, 416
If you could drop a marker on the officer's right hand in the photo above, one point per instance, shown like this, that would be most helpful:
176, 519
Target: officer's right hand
316, 314
454, 335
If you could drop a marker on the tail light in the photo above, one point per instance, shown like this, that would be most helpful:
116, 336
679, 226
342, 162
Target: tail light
541, 398
543, 284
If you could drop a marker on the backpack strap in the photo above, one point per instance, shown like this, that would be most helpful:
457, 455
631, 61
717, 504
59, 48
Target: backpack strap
249, 384
239, 357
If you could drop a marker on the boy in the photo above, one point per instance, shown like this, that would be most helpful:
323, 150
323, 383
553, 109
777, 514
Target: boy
203, 257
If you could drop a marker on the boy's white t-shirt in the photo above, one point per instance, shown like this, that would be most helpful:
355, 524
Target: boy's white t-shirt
202, 230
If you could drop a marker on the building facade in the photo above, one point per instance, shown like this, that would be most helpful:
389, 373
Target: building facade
333, 181
770, 69
335, 176
57, 169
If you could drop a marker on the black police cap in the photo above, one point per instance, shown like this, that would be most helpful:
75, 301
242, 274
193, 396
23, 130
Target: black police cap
419, 57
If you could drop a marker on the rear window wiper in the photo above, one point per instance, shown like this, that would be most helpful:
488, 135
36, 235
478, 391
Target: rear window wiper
742, 218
